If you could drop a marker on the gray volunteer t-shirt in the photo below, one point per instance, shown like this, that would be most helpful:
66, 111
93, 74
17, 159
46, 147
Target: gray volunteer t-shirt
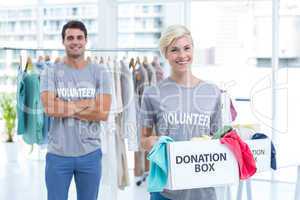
69, 136
182, 113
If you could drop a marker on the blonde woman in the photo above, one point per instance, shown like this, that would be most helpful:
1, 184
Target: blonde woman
182, 106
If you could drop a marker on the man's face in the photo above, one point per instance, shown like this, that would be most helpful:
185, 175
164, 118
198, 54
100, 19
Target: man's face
74, 42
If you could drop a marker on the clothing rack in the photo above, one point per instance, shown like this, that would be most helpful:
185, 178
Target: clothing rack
128, 52
89, 50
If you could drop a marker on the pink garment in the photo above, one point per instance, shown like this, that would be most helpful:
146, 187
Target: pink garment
233, 111
242, 153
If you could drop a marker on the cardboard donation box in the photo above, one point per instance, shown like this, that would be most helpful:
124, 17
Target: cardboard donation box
261, 150
197, 164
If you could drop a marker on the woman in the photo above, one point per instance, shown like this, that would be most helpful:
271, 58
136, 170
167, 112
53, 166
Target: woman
181, 106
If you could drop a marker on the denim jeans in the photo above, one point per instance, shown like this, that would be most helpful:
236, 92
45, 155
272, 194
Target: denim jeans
86, 170
157, 196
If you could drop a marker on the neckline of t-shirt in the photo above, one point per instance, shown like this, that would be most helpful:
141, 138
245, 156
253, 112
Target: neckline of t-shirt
201, 82
77, 69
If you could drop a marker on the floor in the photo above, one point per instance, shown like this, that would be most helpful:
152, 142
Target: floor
23, 178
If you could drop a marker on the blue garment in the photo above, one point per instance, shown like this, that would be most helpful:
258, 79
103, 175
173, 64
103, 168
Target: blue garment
273, 150
40, 65
33, 124
20, 103
157, 196
158, 158
48, 63
33, 110
86, 170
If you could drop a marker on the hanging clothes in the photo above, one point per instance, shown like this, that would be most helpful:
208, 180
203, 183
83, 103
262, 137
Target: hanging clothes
109, 180
122, 165
141, 75
229, 112
48, 62
140, 78
150, 71
33, 111
29, 106
129, 107
118, 87
20, 102
158, 70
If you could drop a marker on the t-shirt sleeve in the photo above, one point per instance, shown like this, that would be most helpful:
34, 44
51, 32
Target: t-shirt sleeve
147, 111
47, 82
104, 79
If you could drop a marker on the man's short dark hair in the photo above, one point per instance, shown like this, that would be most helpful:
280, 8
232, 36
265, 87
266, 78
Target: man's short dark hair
73, 24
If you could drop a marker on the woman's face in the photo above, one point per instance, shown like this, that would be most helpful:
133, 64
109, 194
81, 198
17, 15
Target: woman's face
180, 54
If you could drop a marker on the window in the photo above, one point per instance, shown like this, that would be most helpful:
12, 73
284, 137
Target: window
157, 23
145, 9
227, 40
140, 27
74, 11
157, 9
45, 11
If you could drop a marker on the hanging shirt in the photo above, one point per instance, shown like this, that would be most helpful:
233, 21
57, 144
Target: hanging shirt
140, 80
151, 73
20, 103
117, 79
129, 108
70, 136
159, 72
182, 113
33, 109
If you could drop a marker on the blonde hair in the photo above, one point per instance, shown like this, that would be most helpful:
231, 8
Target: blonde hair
171, 34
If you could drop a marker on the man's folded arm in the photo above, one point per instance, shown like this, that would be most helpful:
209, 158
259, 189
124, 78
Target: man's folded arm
96, 109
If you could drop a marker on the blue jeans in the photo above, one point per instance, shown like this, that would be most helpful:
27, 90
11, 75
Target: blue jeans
86, 170
157, 196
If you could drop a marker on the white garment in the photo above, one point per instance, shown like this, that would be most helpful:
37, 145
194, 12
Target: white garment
118, 89
225, 105
122, 165
109, 179
129, 107
119, 156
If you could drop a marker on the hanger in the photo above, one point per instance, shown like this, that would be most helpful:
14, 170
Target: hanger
138, 62
116, 58
40, 59
20, 64
47, 58
101, 60
57, 60
132, 64
95, 60
29, 65
155, 61
89, 59
108, 59
145, 61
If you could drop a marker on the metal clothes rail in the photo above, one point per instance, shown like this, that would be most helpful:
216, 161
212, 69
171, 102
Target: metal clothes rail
90, 50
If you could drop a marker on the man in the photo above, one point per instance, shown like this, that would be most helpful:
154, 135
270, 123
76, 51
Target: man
77, 95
